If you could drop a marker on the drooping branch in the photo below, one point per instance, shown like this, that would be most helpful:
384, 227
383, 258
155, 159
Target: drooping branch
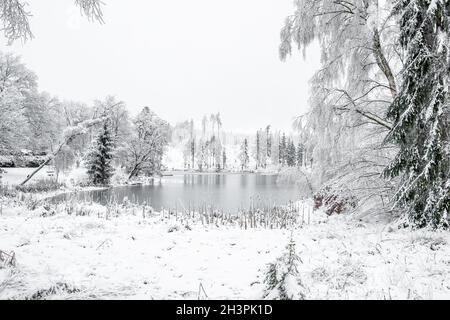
366, 114
375, 118
92, 9
14, 17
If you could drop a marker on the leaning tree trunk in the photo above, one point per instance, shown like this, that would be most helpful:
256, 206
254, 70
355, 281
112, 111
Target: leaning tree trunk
382, 63
61, 145
54, 154
133, 172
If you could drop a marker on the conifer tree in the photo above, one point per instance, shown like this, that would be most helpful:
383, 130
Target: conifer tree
290, 154
192, 152
269, 142
201, 162
420, 113
224, 159
243, 156
258, 149
299, 154
282, 150
99, 158
282, 280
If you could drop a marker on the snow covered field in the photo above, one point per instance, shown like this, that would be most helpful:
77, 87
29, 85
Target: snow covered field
143, 255
14, 176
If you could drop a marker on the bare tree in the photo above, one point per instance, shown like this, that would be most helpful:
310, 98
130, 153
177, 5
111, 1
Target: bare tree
145, 148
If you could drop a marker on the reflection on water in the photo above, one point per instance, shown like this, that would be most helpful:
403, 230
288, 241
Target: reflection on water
228, 192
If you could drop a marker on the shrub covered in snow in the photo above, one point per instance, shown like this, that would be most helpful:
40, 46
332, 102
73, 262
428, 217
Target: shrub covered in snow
22, 160
282, 279
334, 200
299, 176
7, 191
120, 177
77, 177
43, 185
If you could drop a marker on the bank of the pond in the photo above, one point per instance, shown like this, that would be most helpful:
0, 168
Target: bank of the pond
94, 252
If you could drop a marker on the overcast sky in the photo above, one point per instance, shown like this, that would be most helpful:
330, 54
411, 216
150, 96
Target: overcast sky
182, 58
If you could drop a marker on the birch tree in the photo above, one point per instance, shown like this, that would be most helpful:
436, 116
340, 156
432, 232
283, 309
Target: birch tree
358, 80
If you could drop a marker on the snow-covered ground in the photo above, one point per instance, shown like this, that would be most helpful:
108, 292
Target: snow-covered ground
142, 255
71, 180
14, 176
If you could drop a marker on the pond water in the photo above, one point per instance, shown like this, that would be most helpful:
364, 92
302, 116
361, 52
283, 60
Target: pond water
228, 192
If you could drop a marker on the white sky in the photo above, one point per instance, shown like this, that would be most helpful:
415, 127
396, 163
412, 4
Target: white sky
181, 58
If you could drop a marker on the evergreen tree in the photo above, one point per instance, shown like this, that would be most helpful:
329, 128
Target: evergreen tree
201, 157
99, 158
192, 153
290, 154
282, 280
420, 113
275, 149
258, 149
192, 138
224, 159
244, 158
269, 142
299, 156
282, 152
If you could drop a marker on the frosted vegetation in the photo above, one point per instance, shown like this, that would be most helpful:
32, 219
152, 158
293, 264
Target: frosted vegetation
88, 251
210, 148
372, 157
378, 128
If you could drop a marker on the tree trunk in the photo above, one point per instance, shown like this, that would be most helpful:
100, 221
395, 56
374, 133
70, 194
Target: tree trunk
133, 172
383, 63
45, 163
61, 145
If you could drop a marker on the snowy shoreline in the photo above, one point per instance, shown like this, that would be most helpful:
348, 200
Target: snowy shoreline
91, 251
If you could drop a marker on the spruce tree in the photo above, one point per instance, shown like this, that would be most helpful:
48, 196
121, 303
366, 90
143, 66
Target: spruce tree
420, 113
244, 155
269, 142
282, 152
192, 153
299, 154
290, 154
224, 159
258, 149
99, 158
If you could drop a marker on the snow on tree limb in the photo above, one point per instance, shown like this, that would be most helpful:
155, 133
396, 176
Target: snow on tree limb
68, 135
14, 17
92, 9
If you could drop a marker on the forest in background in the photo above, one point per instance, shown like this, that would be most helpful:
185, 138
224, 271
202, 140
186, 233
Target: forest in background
210, 147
